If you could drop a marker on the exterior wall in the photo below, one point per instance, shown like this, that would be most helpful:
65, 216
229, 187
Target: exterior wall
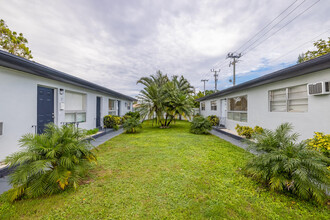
18, 106
317, 118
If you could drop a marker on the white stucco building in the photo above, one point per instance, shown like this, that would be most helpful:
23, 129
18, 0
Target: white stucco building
298, 94
32, 95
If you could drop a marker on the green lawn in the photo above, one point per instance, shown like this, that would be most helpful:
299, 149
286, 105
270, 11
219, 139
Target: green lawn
166, 174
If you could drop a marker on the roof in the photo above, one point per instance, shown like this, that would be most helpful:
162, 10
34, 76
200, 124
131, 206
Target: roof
316, 64
18, 63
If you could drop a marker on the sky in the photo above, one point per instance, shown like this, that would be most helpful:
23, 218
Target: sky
113, 43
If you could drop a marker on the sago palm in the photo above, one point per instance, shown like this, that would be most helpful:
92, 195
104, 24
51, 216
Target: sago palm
50, 162
285, 165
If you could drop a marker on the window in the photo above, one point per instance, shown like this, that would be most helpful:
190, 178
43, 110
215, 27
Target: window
213, 105
128, 105
75, 107
237, 108
112, 107
293, 99
203, 106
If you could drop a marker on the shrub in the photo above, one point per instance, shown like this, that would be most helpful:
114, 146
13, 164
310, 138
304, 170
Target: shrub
133, 114
258, 130
124, 118
132, 124
200, 125
92, 131
112, 121
50, 162
213, 119
321, 143
247, 131
285, 165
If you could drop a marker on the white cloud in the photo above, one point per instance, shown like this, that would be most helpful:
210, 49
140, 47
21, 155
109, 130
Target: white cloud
114, 43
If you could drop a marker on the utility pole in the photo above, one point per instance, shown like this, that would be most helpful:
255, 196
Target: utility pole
235, 58
215, 78
204, 80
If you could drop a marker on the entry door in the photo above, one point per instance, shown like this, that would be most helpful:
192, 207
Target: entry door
98, 112
223, 113
45, 108
119, 108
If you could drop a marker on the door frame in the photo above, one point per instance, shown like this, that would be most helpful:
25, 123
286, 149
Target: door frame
98, 104
54, 90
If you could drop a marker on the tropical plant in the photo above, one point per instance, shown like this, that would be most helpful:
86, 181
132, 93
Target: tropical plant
112, 121
285, 165
131, 125
247, 131
164, 99
50, 162
13, 43
200, 125
133, 114
213, 119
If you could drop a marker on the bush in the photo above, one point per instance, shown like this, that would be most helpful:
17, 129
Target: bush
321, 143
247, 131
285, 165
50, 163
214, 120
133, 114
132, 124
200, 125
258, 130
92, 131
124, 118
112, 121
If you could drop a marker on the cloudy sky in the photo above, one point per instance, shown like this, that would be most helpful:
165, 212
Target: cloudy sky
115, 42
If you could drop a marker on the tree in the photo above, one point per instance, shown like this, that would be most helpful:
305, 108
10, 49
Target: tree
13, 43
165, 98
200, 94
322, 48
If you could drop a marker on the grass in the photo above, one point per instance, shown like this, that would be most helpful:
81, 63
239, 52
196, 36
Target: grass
166, 174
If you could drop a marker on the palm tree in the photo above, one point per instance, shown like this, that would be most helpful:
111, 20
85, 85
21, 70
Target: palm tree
165, 98
285, 165
49, 163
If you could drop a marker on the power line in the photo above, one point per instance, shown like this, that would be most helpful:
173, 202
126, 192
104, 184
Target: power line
266, 25
284, 25
273, 26
235, 58
299, 46
204, 80
215, 78
220, 65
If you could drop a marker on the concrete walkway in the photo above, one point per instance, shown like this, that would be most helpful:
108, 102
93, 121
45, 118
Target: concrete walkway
234, 141
4, 185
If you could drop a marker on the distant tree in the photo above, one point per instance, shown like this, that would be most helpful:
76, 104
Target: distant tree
12, 42
200, 95
322, 48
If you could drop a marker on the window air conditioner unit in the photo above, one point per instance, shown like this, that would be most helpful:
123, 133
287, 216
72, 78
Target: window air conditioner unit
319, 88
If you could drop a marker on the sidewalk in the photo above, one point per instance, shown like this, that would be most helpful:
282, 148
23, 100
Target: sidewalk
4, 185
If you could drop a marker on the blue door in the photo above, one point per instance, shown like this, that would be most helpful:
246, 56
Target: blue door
45, 108
98, 112
118, 108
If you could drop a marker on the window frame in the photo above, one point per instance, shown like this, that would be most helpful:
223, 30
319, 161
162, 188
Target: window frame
114, 110
75, 113
216, 105
242, 115
288, 99
202, 106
